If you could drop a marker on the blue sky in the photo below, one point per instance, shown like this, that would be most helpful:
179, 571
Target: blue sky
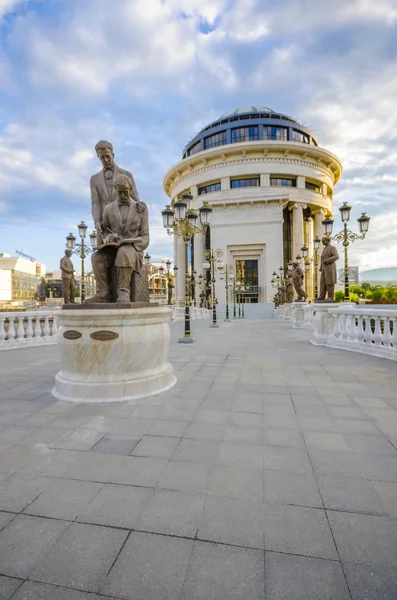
148, 74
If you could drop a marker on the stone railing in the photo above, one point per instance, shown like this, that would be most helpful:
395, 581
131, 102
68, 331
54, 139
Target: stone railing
30, 328
363, 330
178, 313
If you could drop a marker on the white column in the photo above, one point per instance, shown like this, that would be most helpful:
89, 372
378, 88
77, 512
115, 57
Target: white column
318, 226
324, 189
180, 262
309, 273
300, 182
297, 229
265, 180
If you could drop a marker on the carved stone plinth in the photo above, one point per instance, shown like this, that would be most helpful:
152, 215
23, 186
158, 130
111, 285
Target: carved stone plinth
114, 354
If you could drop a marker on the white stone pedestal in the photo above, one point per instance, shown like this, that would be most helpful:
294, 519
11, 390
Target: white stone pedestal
113, 354
322, 320
297, 314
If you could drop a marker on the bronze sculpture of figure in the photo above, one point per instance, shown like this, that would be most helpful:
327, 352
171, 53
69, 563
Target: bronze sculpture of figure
329, 257
68, 282
298, 278
289, 288
125, 233
169, 291
102, 185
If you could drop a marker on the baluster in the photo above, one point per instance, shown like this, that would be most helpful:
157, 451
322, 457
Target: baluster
343, 335
368, 332
20, 331
2, 329
46, 327
386, 332
29, 328
377, 335
352, 329
360, 329
393, 325
54, 328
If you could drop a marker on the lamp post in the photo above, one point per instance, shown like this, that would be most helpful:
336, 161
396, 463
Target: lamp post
82, 249
228, 274
213, 262
346, 236
182, 221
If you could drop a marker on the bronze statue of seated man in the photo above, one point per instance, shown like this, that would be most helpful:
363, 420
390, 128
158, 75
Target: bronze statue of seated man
126, 236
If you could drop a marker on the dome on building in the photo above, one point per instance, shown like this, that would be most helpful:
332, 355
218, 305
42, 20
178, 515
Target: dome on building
248, 124
245, 110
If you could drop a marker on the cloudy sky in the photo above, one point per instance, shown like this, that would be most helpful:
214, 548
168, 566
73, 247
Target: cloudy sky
148, 74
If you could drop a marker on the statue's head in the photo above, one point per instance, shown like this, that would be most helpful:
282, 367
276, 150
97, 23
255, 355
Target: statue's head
68, 252
105, 154
294, 265
326, 240
123, 186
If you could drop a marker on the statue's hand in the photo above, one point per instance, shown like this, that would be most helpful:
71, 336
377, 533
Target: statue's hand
98, 227
113, 237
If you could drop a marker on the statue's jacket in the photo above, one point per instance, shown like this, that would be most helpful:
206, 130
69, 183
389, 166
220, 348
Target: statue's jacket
329, 270
136, 226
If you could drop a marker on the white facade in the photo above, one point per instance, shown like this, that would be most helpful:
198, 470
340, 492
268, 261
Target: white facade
247, 222
18, 275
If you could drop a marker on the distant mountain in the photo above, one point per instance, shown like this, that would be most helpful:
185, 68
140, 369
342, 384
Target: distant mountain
384, 274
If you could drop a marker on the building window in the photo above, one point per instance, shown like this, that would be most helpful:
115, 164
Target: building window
195, 148
298, 136
218, 139
282, 181
275, 133
207, 189
245, 134
250, 182
247, 271
312, 186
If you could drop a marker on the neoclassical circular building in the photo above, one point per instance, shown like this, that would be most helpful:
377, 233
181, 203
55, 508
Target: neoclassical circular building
269, 184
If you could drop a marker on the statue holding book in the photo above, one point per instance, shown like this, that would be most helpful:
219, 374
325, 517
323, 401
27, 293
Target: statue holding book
125, 236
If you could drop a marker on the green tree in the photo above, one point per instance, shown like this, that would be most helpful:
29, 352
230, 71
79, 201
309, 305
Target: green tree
366, 286
357, 289
338, 296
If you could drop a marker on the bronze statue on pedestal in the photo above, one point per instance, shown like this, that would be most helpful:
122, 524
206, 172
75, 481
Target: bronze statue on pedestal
328, 278
298, 278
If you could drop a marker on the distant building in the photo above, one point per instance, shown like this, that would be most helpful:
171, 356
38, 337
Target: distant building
353, 275
19, 280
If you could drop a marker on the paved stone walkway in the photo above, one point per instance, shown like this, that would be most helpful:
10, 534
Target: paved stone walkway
268, 472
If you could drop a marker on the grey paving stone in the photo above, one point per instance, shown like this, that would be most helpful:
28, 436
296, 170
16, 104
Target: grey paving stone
298, 530
370, 444
95, 467
41, 591
81, 558
19, 490
14, 435
378, 468
156, 446
300, 578
291, 488
138, 471
64, 499
44, 435
365, 538
172, 513
252, 435
24, 541
326, 441
334, 462
150, 567
346, 412
51, 462
202, 451
353, 495
186, 477
326, 424
247, 455
204, 431
5, 518
355, 426
217, 417
168, 428
232, 521
278, 458
218, 572
8, 587
108, 445
82, 439
371, 583
237, 481
280, 422
116, 506
388, 492
288, 438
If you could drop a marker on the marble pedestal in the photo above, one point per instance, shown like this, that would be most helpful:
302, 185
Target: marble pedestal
322, 321
113, 354
297, 314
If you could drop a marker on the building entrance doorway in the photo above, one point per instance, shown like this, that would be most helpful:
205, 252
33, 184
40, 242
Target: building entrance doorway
248, 273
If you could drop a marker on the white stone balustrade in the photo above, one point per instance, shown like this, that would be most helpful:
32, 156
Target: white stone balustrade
308, 310
366, 330
178, 313
30, 328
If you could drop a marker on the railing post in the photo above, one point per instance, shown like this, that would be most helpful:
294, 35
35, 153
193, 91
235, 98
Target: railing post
20, 332
2, 329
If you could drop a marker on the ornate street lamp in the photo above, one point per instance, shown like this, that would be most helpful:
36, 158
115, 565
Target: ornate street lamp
226, 276
184, 222
212, 264
82, 249
346, 237
147, 258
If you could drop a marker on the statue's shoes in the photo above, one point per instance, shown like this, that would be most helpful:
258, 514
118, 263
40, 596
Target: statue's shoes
98, 299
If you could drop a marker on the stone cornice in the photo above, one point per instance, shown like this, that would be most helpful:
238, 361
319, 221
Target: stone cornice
234, 154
